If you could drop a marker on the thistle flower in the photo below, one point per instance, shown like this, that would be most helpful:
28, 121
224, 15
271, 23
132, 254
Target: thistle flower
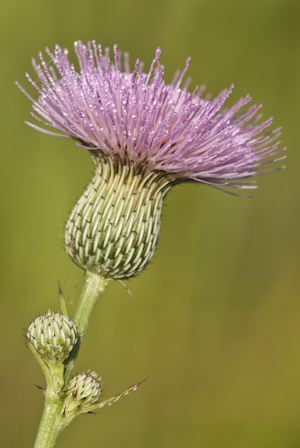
144, 136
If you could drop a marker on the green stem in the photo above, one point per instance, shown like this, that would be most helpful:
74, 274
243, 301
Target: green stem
93, 287
51, 423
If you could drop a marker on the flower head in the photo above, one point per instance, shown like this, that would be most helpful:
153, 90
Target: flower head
144, 136
138, 117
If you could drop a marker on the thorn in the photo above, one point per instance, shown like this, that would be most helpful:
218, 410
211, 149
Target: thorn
39, 387
60, 293
63, 306
126, 287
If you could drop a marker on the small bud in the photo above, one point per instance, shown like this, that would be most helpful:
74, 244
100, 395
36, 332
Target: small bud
84, 390
53, 335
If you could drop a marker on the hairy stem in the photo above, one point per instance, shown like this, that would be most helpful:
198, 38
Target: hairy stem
50, 422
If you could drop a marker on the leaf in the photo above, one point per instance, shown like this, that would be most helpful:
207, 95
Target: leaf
110, 401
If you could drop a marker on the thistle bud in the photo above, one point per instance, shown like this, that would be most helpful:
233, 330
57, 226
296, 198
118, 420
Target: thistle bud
53, 335
83, 391
114, 227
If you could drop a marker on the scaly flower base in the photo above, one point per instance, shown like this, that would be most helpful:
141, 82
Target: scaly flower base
114, 227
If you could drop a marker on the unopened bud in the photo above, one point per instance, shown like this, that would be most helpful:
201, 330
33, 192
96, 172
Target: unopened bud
83, 391
53, 335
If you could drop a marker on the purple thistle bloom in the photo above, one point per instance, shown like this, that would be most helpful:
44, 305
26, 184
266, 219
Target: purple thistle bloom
140, 118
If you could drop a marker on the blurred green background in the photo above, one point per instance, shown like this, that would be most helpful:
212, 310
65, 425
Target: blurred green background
214, 320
